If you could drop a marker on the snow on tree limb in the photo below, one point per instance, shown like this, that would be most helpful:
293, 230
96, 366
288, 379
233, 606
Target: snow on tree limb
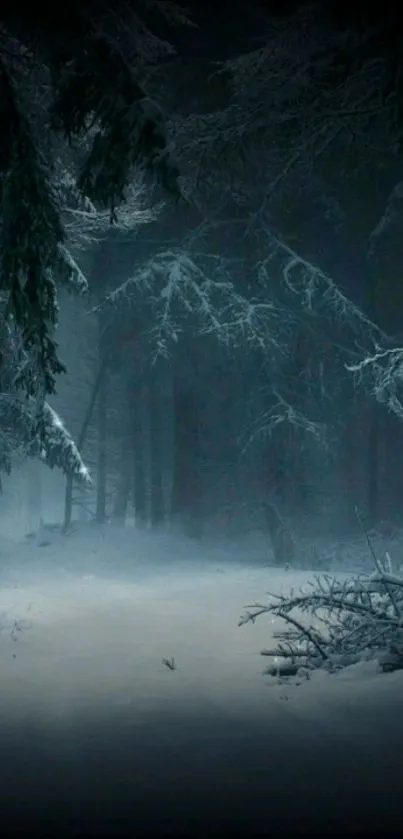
29, 427
391, 213
86, 223
57, 447
348, 621
28, 262
379, 369
26, 431
309, 91
82, 85
178, 291
382, 373
280, 411
77, 279
315, 289
304, 78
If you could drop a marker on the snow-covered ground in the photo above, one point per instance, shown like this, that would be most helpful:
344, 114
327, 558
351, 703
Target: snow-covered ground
96, 729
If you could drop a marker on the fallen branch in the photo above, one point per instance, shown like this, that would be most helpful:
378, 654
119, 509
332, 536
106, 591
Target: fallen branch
350, 620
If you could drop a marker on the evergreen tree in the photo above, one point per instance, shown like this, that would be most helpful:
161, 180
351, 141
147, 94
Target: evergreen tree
69, 79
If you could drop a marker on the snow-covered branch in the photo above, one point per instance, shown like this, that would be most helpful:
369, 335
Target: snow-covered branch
86, 224
391, 213
382, 372
26, 431
56, 447
380, 369
177, 291
29, 427
281, 411
315, 289
348, 621
292, 101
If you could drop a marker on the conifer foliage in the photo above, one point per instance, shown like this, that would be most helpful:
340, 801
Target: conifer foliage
89, 93
69, 85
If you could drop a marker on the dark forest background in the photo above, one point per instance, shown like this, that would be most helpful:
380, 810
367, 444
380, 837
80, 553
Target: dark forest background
239, 347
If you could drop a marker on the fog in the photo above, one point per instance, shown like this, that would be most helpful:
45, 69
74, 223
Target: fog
201, 370
98, 734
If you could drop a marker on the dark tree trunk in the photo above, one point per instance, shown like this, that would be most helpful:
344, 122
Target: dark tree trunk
187, 481
101, 271
122, 496
280, 536
350, 463
373, 484
140, 445
34, 495
161, 443
68, 504
100, 514
180, 491
157, 512
68, 498
123, 490
373, 493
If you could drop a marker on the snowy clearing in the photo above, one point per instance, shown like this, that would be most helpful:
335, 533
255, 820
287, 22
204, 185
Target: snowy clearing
85, 692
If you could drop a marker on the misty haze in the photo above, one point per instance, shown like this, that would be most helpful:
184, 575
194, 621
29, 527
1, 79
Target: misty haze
98, 732
201, 418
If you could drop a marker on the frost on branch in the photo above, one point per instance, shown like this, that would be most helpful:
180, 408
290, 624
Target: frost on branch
312, 287
295, 99
26, 431
177, 293
90, 95
99, 88
77, 280
379, 367
382, 372
56, 447
317, 305
34, 248
29, 427
86, 223
390, 216
332, 624
281, 411
30, 236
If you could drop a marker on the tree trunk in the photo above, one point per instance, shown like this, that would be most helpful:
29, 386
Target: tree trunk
68, 505
101, 271
188, 475
100, 515
34, 479
373, 486
161, 443
280, 536
140, 445
157, 490
180, 491
350, 460
168, 441
123, 490
122, 496
68, 498
373, 474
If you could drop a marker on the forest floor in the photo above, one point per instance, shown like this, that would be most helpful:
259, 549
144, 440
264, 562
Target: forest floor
98, 734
